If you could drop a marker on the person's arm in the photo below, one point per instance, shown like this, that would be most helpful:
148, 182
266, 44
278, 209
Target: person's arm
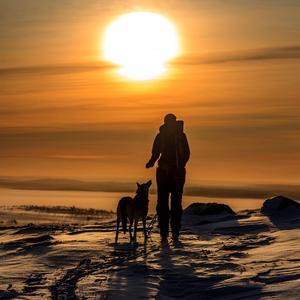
186, 149
155, 152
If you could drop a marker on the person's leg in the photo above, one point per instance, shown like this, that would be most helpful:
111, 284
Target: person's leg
176, 213
162, 210
176, 203
162, 207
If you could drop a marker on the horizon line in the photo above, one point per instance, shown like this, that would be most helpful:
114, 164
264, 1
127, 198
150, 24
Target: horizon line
251, 191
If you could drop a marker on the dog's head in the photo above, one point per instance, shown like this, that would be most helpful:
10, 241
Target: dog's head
143, 189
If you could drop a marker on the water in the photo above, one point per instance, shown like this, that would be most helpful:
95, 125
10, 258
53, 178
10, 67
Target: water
103, 200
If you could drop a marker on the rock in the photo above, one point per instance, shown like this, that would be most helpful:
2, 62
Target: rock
205, 209
201, 217
280, 205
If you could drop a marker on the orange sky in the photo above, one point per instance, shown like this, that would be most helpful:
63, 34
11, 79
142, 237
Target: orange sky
65, 113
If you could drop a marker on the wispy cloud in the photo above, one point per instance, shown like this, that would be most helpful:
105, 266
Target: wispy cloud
260, 54
55, 69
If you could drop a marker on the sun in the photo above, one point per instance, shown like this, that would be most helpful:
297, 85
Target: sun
141, 43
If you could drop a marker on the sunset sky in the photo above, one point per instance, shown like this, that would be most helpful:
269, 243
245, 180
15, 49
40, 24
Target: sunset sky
66, 113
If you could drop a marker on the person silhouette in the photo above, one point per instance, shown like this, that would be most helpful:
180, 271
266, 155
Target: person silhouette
171, 147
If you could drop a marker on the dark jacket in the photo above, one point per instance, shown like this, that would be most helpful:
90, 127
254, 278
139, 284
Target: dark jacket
171, 147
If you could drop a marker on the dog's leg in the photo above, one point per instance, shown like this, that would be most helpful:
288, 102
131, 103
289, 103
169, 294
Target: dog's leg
145, 230
135, 228
130, 227
117, 231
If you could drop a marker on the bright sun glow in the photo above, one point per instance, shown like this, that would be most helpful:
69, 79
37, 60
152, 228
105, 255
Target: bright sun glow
141, 43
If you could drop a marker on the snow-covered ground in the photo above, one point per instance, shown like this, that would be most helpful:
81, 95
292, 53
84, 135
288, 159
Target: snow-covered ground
224, 256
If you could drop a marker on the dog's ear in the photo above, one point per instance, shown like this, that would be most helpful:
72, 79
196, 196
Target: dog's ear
138, 185
149, 183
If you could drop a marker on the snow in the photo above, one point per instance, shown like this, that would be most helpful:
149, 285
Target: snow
220, 256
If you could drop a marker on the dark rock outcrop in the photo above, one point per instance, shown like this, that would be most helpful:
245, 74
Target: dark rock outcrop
280, 205
206, 209
206, 217
283, 212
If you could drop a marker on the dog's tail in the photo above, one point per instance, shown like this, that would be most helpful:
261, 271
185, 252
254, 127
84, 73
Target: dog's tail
122, 213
